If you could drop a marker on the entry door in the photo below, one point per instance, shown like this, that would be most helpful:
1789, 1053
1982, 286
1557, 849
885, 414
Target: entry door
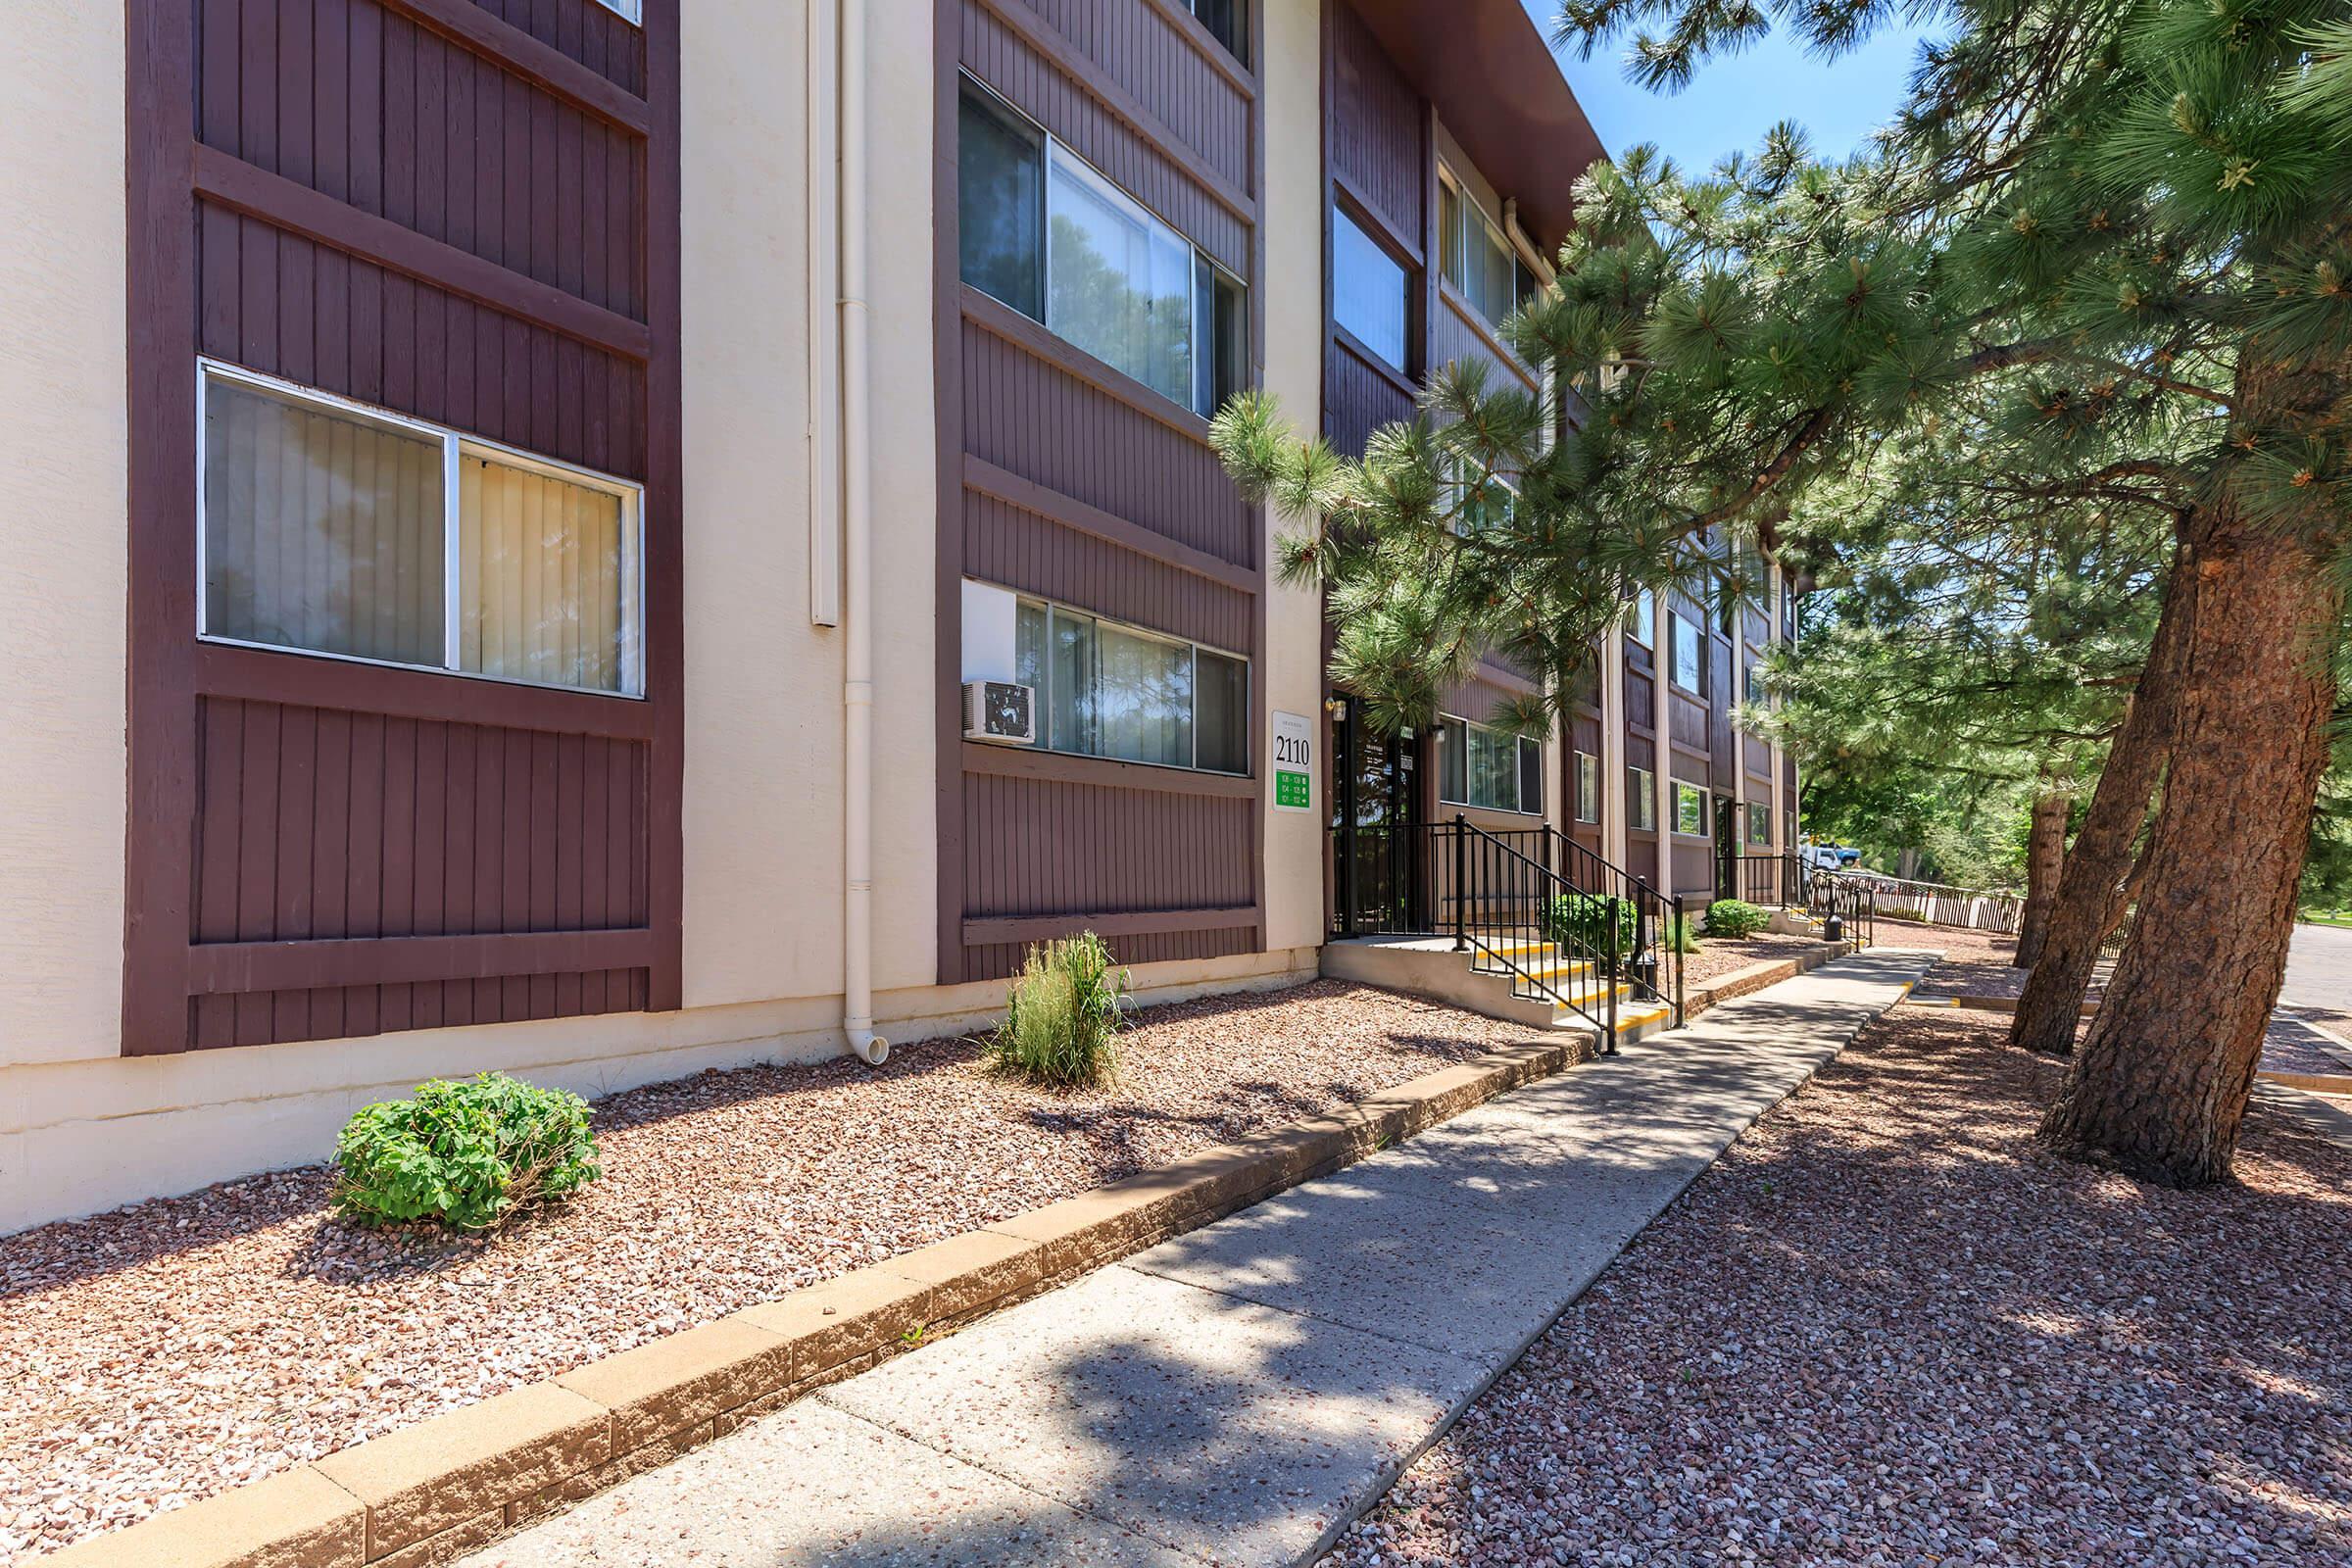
1375, 850
1727, 849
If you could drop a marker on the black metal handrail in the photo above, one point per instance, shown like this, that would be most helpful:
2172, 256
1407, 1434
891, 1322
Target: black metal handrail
1655, 965
1846, 905
1507, 904
1768, 881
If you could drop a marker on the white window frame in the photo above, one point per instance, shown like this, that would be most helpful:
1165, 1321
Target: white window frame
1519, 807
1203, 332
454, 445
1642, 627
1043, 707
1754, 807
632, 12
1706, 809
1588, 786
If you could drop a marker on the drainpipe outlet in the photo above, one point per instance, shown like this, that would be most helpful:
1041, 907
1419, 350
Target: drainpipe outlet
868, 1047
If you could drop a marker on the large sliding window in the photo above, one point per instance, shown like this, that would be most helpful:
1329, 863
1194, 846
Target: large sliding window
328, 527
1048, 235
1371, 292
1489, 770
1480, 260
1107, 690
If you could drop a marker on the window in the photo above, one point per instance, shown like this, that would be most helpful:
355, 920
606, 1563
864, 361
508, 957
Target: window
1480, 261
1644, 629
1489, 770
1106, 690
1370, 291
626, 10
327, 528
1043, 232
1641, 800
1747, 683
1228, 21
1690, 670
1759, 822
1587, 787
1690, 809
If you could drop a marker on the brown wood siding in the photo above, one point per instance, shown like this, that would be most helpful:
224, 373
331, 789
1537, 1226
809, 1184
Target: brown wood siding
1690, 768
1034, 417
1151, 54
1640, 698
1380, 147
1085, 487
1687, 719
1723, 740
467, 213
1455, 335
1018, 549
1641, 752
997, 55
1358, 398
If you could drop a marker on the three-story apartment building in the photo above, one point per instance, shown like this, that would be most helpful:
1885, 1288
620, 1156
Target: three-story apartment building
517, 507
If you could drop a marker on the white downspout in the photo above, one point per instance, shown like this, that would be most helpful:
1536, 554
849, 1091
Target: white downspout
858, 550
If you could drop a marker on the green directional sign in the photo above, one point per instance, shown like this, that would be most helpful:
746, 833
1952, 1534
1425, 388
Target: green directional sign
1293, 764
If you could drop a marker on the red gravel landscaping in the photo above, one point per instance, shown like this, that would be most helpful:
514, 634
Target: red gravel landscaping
1718, 956
158, 1353
1887, 1329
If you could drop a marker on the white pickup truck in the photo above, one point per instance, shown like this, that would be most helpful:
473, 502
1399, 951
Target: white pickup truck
1826, 856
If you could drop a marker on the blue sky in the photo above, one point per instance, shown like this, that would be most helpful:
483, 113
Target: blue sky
1732, 101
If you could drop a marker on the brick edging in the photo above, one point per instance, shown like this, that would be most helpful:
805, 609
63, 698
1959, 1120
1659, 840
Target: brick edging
430, 1493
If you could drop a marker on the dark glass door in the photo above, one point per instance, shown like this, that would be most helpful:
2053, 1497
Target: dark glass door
1727, 849
1375, 850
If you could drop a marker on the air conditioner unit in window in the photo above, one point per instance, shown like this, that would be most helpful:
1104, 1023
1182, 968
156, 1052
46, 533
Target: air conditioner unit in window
1000, 711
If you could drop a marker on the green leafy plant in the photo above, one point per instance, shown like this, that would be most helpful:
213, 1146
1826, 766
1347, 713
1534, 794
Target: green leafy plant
1678, 935
466, 1153
1736, 919
1580, 922
1061, 1017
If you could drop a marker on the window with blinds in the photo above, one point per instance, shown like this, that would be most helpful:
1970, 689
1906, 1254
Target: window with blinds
327, 528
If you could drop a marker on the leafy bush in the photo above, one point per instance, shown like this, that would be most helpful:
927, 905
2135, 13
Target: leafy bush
1579, 923
1736, 919
1061, 1016
467, 1153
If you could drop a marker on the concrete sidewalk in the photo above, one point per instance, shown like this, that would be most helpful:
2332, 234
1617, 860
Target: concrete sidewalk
1239, 1395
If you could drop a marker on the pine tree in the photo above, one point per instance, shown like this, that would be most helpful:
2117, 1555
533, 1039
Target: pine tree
2108, 248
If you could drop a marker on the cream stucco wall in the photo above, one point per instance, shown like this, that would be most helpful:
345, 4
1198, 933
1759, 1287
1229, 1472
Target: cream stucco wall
1290, 88
62, 537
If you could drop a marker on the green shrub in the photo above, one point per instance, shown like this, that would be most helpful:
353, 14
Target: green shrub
467, 1153
1678, 935
1061, 1016
1579, 923
1734, 918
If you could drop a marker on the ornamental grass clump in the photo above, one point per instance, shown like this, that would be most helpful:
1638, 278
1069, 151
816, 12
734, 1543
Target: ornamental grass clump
466, 1154
1734, 918
1680, 935
1061, 1017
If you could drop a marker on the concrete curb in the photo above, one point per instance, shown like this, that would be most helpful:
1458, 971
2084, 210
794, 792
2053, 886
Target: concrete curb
1756, 976
432, 1493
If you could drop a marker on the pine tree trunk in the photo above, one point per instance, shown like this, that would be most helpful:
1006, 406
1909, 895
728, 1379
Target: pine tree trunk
2160, 1085
2045, 852
2088, 906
